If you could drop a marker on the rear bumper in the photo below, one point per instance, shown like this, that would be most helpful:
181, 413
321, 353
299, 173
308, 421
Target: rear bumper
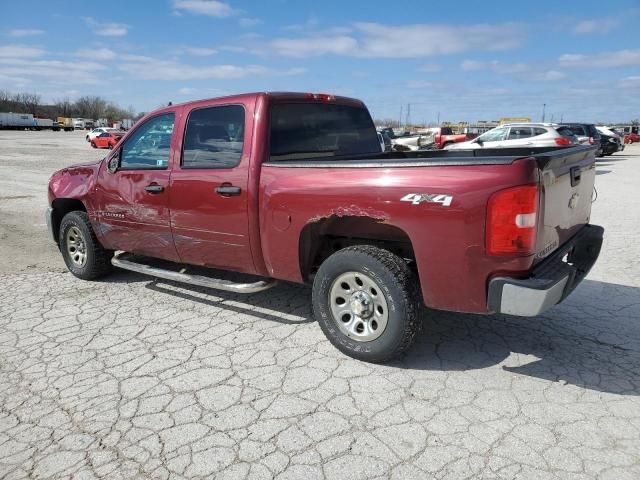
550, 281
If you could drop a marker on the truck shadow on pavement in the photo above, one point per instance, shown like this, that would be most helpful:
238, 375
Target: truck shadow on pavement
591, 340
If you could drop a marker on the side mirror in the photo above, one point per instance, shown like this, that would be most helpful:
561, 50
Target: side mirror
479, 141
114, 163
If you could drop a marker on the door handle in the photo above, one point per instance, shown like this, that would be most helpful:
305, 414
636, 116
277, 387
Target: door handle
154, 188
227, 190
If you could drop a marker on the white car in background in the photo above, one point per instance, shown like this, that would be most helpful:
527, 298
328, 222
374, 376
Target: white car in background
98, 131
518, 135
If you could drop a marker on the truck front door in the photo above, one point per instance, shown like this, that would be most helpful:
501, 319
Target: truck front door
132, 191
209, 189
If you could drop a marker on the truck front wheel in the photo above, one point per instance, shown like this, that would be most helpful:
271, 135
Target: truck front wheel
366, 301
81, 250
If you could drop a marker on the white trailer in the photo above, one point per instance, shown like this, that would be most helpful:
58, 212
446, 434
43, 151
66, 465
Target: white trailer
43, 123
16, 121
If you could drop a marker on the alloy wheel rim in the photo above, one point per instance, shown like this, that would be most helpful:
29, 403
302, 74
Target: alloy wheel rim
76, 246
359, 306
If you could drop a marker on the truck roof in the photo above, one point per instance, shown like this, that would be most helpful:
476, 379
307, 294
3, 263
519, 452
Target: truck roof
276, 96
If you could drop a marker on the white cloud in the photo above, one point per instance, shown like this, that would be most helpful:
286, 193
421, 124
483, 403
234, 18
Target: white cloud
620, 58
20, 51
108, 29
630, 82
199, 51
402, 41
211, 8
595, 26
187, 91
249, 22
53, 71
25, 32
430, 68
156, 69
494, 65
96, 53
551, 76
313, 46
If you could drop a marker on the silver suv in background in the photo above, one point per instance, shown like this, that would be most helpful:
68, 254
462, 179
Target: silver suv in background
518, 135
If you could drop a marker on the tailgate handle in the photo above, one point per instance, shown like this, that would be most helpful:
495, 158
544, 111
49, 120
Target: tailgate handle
576, 174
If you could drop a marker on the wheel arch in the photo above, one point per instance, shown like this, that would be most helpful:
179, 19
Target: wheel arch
62, 206
320, 239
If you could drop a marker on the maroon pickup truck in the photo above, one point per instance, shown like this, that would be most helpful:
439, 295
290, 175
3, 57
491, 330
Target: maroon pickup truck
294, 187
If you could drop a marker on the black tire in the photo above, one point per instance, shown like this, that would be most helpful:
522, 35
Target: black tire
94, 145
399, 287
97, 262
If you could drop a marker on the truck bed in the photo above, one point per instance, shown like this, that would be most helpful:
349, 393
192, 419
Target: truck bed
488, 156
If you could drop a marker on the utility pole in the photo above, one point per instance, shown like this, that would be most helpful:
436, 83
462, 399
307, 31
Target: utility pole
400, 119
408, 114
544, 107
438, 121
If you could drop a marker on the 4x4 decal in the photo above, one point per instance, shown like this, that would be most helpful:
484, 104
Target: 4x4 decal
418, 198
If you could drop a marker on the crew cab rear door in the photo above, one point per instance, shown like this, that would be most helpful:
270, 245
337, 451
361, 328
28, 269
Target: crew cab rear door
132, 190
209, 187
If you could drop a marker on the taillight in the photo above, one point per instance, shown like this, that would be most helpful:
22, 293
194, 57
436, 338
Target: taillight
511, 221
563, 141
590, 140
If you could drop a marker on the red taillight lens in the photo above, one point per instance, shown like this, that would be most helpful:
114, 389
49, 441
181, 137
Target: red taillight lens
563, 141
511, 221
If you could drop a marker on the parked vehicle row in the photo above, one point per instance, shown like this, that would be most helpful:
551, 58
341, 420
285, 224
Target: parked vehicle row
294, 187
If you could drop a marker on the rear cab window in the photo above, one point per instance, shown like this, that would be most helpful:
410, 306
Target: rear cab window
307, 131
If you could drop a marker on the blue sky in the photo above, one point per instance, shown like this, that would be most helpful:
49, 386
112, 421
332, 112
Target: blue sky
459, 60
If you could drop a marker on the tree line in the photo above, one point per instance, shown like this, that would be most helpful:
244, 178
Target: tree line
88, 106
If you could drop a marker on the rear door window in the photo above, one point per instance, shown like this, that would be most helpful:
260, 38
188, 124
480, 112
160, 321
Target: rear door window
214, 137
539, 131
320, 130
516, 133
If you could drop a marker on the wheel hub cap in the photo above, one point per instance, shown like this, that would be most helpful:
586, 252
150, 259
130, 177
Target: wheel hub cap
359, 306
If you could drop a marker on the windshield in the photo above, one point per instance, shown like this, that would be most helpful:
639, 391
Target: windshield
316, 130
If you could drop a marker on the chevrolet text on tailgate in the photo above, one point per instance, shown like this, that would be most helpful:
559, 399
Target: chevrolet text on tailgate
294, 187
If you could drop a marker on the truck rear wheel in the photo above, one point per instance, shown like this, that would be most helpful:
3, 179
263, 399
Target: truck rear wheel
82, 253
366, 301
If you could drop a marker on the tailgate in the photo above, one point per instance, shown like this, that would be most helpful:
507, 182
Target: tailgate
567, 182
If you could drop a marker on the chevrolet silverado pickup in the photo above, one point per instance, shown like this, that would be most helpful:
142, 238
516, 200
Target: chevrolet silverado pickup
294, 187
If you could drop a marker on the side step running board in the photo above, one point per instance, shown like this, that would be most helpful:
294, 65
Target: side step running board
119, 260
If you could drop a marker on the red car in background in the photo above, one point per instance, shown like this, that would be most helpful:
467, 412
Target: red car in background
631, 138
106, 140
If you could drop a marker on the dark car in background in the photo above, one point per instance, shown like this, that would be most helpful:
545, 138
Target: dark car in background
587, 134
608, 145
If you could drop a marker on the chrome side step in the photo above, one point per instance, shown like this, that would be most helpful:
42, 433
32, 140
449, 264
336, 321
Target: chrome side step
119, 260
